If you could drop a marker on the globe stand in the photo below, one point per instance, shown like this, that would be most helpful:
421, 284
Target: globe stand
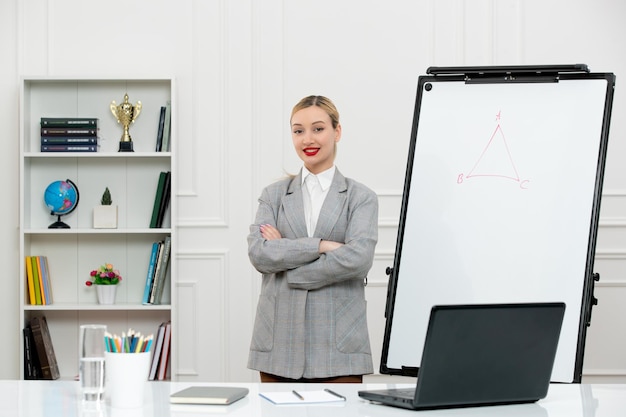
59, 224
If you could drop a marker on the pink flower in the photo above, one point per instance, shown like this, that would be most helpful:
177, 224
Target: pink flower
105, 275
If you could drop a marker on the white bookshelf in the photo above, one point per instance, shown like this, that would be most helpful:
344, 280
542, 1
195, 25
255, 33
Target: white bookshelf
132, 179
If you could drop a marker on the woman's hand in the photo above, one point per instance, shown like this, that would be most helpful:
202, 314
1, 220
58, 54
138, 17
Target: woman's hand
269, 232
329, 245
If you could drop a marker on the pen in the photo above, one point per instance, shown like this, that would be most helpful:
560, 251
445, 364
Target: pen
297, 395
335, 394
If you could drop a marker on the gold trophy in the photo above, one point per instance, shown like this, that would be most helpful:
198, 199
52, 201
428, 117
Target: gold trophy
126, 114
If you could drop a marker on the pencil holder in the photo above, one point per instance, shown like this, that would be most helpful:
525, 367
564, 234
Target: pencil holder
126, 378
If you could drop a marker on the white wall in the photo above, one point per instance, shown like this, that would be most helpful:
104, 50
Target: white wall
240, 65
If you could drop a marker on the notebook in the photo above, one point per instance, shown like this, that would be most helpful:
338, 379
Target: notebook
482, 354
208, 395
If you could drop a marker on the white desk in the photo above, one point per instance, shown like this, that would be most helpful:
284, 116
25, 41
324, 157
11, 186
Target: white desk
60, 398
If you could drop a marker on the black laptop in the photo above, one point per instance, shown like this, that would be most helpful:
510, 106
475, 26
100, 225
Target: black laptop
482, 354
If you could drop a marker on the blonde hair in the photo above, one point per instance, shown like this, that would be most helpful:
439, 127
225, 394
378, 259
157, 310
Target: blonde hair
320, 101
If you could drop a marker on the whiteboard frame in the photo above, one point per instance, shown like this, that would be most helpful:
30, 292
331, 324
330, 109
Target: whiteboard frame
505, 75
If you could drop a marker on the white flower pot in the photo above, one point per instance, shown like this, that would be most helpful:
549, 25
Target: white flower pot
105, 217
106, 293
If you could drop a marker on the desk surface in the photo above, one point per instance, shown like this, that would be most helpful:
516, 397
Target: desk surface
61, 398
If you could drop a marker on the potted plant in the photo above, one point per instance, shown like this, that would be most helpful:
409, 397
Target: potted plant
105, 215
106, 280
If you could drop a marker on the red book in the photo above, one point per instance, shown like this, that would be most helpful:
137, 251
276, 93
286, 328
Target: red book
165, 351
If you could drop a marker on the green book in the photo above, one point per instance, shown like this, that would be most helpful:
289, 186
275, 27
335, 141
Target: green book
165, 199
157, 200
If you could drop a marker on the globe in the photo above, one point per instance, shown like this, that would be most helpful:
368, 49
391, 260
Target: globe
61, 198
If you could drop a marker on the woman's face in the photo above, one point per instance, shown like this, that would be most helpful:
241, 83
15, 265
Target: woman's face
314, 138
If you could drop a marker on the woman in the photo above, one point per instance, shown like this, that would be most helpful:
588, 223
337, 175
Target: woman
314, 252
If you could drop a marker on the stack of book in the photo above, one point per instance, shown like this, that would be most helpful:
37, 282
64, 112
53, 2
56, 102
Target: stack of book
69, 134
39, 358
161, 352
38, 280
157, 271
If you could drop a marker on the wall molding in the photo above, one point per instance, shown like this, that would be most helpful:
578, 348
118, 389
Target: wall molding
201, 222
619, 372
382, 257
189, 287
616, 192
611, 255
610, 284
612, 222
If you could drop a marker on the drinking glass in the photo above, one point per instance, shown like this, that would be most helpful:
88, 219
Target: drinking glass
91, 361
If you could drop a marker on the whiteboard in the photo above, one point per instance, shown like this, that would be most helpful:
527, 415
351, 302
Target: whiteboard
500, 205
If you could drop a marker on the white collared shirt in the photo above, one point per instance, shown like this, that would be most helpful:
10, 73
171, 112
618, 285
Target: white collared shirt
313, 205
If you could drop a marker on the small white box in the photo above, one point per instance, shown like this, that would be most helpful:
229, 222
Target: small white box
105, 217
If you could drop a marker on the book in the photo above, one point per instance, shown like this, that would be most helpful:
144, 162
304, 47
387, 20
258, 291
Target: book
150, 274
45, 273
28, 362
69, 140
156, 354
165, 199
69, 122
52, 132
165, 145
69, 148
44, 348
157, 269
157, 200
159, 138
32, 369
43, 284
208, 395
159, 282
36, 286
29, 280
164, 359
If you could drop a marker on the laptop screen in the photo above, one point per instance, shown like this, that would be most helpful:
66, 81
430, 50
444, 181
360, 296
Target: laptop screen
490, 353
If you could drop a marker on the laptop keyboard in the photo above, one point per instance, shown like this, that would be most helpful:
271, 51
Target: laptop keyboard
405, 392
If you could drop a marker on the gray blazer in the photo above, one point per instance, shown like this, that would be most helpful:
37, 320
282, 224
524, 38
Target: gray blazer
311, 315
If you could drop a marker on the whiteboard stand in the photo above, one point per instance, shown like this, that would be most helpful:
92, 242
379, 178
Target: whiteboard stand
501, 201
